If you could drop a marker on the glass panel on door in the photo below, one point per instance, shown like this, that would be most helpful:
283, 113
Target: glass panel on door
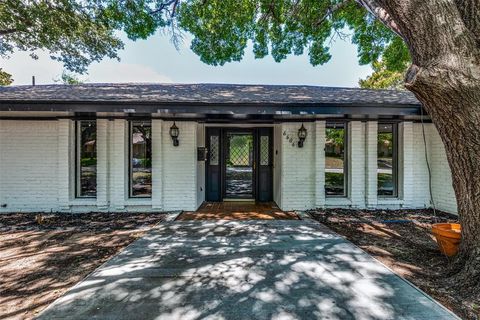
239, 162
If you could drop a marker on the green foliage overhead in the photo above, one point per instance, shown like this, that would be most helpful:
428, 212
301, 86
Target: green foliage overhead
5, 78
383, 78
69, 78
80, 32
75, 32
222, 30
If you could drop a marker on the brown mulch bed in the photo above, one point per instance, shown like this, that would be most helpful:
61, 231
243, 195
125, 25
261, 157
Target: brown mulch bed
401, 239
43, 255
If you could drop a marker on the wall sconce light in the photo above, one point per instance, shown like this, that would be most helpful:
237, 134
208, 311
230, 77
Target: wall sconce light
302, 134
174, 132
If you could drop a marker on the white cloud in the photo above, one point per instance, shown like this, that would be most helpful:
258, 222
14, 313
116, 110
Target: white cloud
23, 67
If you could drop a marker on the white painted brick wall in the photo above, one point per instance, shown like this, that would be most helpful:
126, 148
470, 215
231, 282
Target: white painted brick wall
443, 193
299, 166
103, 160
28, 166
356, 163
180, 167
319, 168
371, 164
64, 127
36, 167
157, 164
298, 175
277, 164
406, 164
118, 164
420, 197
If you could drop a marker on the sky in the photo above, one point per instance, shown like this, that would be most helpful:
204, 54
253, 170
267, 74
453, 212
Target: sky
157, 60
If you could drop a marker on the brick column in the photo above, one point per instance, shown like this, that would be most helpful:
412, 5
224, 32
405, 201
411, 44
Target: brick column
157, 165
356, 163
298, 168
406, 165
320, 164
102, 164
371, 164
64, 159
118, 163
179, 167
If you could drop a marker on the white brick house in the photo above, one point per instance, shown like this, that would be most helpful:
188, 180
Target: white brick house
108, 147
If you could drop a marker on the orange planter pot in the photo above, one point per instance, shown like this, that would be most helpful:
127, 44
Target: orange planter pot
448, 237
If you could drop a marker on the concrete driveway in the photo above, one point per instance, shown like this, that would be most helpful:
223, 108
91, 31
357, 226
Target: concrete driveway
279, 269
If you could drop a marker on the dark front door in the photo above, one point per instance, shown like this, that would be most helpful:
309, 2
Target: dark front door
239, 164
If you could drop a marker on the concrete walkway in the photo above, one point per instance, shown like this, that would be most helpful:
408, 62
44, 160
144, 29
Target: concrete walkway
279, 269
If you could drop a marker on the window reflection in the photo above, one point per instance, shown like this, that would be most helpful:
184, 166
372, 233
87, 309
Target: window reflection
239, 166
335, 159
141, 159
386, 162
86, 158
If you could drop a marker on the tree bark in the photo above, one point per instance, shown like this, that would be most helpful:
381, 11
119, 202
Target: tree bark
445, 77
455, 111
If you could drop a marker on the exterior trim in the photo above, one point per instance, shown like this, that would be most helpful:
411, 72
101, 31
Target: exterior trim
216, 108
218, 121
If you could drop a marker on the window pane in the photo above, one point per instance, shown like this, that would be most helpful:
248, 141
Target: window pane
141, 159
215, 148
335, 160
385, 160
87, 159
264, 151
239, 165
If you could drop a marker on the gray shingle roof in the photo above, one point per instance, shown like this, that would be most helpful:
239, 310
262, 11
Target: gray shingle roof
204, 94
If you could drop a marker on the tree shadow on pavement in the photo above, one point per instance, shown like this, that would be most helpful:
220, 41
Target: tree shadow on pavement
244, 270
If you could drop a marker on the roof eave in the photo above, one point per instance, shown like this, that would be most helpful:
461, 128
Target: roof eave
250, 108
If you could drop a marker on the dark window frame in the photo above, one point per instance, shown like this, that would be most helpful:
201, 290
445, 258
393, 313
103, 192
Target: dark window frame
395, 160
130, 162
346, 159
78, 139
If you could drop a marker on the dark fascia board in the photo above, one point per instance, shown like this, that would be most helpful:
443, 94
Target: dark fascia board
215, 108
221, 121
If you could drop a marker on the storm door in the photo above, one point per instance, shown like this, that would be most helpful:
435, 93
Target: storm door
239, 165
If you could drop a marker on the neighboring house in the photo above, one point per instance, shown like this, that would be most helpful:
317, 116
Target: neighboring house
235, 142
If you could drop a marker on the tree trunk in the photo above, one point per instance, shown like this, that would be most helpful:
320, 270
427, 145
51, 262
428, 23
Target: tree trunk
455, 111
445, 77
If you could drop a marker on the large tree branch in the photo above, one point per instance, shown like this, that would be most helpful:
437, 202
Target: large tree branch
441, 45
165, 5
437, 36
470, 13
381, 14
